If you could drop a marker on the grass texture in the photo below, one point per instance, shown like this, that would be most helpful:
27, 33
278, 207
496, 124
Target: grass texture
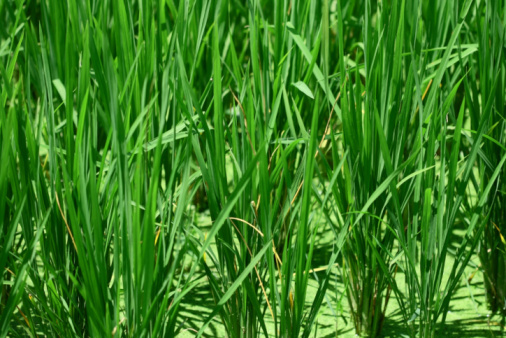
153, 150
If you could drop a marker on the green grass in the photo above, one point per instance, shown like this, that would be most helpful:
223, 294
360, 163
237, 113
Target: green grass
283, 168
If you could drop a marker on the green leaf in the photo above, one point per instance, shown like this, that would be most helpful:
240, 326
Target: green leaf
304, 89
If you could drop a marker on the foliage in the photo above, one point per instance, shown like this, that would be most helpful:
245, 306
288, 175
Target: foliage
125, 126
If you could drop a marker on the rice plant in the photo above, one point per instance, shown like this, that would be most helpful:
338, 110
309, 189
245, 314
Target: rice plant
490, 70
249, 168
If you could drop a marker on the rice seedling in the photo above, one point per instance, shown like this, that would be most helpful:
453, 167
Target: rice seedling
405, 223
490, 70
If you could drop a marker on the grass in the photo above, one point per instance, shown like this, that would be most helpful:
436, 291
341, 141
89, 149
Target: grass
268, 164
